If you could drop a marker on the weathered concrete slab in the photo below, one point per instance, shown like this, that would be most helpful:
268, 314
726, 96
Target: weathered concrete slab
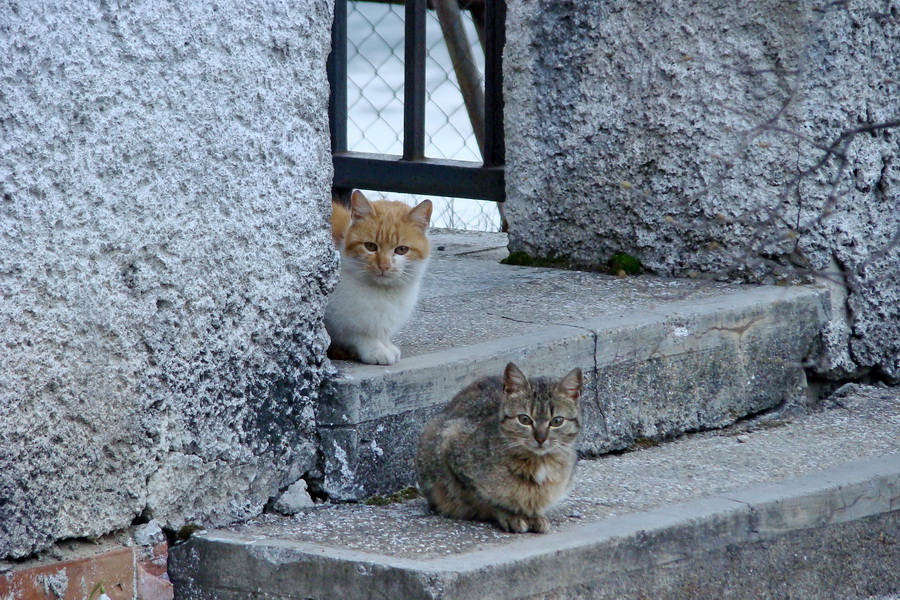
776, 507
660, 356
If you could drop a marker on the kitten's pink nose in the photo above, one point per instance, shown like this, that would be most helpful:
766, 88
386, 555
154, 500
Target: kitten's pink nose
540, 437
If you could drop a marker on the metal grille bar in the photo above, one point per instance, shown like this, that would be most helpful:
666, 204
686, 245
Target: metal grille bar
413, 173
337, 79
414, 82
495, 25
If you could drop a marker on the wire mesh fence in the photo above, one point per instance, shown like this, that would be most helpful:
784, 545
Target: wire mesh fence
375, 37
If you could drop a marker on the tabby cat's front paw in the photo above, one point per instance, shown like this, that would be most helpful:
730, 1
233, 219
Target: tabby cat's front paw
539, 524
376, 353
513, 523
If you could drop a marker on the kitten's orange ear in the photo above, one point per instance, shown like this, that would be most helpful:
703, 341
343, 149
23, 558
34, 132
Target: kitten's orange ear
360, 206
340, 221
570, 385
514, 381
421, 214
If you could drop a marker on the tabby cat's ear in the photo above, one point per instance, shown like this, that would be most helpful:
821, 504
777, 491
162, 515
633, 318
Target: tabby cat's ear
421, 214
570, 385
514, 381
360, 205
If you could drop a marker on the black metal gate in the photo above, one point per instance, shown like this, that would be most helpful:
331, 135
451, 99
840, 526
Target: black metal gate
413, 173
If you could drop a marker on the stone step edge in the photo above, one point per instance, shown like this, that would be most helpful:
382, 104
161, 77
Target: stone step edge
540, 564
588, 333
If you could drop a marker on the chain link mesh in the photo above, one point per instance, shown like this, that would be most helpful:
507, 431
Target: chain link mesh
375, 51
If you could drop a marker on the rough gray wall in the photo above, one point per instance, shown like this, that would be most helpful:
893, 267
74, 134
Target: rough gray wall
164, 256
676, 132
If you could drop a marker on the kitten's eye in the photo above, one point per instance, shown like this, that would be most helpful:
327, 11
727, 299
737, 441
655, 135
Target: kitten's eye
524, 419
556, 421
401, 250
371, 246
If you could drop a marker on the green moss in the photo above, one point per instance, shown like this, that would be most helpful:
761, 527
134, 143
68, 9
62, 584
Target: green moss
642, 443
619, 264
187, 531
520, 259
624, 262
410, 493
523, 259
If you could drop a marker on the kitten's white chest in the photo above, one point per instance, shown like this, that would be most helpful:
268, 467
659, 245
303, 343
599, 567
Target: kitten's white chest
357, 308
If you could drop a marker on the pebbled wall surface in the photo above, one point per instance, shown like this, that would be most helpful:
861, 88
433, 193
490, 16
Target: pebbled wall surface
689, 134
164, 258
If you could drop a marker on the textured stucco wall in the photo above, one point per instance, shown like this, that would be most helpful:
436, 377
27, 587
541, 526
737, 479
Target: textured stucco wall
164, 256
635, 127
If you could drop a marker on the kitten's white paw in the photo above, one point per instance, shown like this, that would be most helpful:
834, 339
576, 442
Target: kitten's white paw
395, 350
376, 353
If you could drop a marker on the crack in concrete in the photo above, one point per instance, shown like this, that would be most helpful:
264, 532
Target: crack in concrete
596, 376
738, 330
844, 505
479, 251
544, 323
753, 517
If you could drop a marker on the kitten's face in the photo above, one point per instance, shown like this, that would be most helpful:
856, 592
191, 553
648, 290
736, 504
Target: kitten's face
385, 241
541, 416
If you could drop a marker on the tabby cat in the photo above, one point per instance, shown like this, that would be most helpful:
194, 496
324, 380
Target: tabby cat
503, 450
384, 251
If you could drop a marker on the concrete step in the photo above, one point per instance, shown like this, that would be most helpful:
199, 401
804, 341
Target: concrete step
661, 357
778, 506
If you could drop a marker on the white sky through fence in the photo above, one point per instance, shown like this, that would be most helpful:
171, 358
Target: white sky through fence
375, 103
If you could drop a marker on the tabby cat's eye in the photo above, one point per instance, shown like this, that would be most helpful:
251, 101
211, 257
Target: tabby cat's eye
556, 421
524, 419
371, 246
401, 250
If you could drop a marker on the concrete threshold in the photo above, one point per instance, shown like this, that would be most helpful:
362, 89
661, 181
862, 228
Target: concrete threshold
661, 357
773, 507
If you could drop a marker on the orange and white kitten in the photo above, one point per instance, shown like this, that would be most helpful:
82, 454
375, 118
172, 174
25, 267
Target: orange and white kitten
384, 251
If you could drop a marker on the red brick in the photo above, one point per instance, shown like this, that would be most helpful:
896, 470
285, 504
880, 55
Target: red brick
156, 561
153, 584
73, 579
153, 587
